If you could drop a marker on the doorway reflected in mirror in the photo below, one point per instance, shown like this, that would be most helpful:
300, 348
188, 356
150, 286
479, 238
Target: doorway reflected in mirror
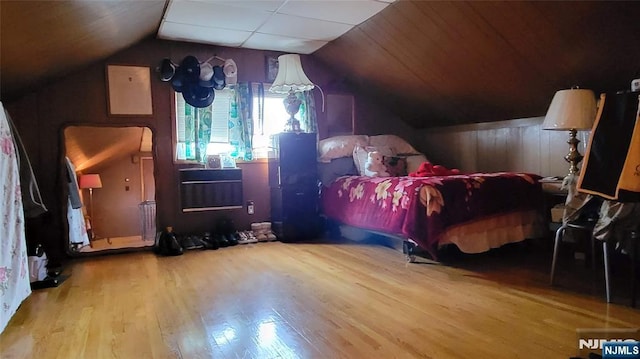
120, 214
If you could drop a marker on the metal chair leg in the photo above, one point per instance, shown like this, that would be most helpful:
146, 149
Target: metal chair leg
556, 246
605, 252
635, 237
593, 251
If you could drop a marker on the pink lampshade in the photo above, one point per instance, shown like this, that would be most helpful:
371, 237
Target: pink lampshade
90, 181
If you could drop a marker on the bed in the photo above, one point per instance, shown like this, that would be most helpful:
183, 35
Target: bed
475, 212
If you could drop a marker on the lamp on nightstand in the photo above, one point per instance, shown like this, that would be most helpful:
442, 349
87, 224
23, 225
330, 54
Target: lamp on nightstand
291, 79
571, 110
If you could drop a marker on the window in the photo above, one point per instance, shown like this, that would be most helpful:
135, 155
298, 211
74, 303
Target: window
274, 118
211, 122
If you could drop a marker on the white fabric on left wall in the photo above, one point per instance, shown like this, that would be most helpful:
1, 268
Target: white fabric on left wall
14, 273
77, 226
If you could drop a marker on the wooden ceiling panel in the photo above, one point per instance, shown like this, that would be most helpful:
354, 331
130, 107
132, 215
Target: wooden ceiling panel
461, 62
43, 40
431, 62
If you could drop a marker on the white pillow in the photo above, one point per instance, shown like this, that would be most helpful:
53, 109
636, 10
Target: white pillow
399, 145
339, 146
414, 162
360, 155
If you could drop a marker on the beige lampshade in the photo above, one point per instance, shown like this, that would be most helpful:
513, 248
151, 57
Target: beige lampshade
571, 109
90, 181
290, 76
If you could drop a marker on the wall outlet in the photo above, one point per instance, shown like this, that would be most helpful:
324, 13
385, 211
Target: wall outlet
250, 207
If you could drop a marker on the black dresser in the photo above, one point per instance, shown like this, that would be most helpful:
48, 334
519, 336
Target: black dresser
293, 182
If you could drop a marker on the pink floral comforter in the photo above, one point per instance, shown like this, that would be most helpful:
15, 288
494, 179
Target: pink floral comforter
423, 208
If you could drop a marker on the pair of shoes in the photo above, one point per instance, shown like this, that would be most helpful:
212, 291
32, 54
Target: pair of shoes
257, 230
208, 242
225, 230
245, 237
221, 240
187, 242
251, 236
262, 231
231, 239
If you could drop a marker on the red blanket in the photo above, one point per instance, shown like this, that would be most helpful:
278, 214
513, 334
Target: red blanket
422, 208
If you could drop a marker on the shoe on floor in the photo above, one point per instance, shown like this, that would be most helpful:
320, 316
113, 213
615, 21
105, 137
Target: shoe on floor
231, 239
209, 242
243, 238
251, 237
221, 239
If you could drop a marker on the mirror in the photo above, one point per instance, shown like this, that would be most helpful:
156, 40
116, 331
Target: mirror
110, 175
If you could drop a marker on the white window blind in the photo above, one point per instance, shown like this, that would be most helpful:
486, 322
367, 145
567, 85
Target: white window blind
185, 127
220, 116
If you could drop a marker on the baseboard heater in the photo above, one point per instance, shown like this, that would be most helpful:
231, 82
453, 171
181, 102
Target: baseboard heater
210, 189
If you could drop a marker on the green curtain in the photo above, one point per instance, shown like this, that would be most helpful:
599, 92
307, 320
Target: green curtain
203, 132
241, 122
197, 124
308, 117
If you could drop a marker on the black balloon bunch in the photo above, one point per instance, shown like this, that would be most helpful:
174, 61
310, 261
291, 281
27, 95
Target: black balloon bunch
196, 81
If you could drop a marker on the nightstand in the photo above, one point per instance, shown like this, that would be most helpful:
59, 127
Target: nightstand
554, 200
293, 182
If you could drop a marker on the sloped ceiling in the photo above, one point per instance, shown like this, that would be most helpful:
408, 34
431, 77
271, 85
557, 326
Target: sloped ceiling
44, 40
90, 146
432, 63
441, 63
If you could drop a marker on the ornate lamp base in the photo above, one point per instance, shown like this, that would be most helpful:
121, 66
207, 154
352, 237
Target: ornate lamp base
292, 105
573, 157
292, 125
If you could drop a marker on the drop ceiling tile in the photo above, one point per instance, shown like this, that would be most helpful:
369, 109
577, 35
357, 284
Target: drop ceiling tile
282, 43
265, 5
346, 12
215, 15
287, 25
208, 35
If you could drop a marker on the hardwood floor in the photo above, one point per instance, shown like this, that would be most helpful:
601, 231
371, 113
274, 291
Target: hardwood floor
116, 243
276, 300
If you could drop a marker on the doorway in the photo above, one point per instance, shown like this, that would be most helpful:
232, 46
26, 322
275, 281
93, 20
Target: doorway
115, 206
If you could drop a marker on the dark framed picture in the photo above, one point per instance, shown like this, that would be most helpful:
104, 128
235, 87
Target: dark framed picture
271, 67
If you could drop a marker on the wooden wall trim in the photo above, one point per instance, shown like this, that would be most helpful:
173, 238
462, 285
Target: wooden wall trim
520, 122
519, 145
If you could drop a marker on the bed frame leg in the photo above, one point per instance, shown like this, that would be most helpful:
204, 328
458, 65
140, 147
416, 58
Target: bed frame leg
408, 250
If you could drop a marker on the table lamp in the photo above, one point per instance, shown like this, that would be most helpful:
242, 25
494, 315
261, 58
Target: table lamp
571, 110
291, 79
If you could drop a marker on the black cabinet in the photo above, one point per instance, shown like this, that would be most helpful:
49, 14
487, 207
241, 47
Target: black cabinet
293, 182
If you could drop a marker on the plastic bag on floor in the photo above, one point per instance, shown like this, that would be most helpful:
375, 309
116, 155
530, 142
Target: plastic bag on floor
37, 266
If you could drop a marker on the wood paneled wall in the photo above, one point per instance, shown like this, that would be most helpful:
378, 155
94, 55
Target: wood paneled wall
514, 145
81, 99
480, 61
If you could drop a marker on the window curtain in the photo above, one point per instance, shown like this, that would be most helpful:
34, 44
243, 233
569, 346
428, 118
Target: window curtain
241, 122
202, 129
308, 118
197, 131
